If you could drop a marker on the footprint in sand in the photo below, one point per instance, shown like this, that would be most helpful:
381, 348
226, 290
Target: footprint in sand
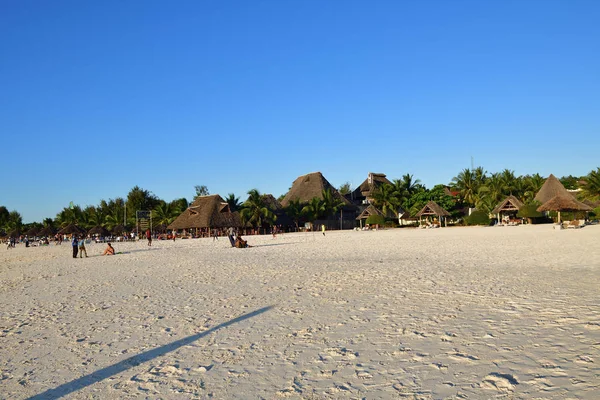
500, 382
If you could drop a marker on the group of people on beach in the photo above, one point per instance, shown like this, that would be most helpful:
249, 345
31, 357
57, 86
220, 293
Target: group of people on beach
78, 245
236, 239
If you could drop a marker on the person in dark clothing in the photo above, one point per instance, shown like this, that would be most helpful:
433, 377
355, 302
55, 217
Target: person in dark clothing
75, 245
149, 237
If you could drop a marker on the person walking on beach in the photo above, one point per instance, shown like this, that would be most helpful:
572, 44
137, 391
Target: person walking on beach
323, 229
149, 237
75, 245
82, 247
214, 235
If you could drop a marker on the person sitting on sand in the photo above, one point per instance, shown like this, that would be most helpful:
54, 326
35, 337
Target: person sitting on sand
109, 251
241, 243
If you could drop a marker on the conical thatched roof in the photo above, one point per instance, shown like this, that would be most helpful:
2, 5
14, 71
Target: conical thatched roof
373, 181
207, 212
47, 231
271, 202
549, 189
118, 230
71, 229
564, 202
14, 234
309, 186
274, 205
32, 231
510, 203
370, 210
432, 208
98, 230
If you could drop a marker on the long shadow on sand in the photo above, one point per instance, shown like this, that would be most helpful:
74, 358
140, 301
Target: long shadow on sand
102, 374
273, 244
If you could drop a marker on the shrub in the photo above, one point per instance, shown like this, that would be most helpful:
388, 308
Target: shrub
529, 211
375, 220
478, 218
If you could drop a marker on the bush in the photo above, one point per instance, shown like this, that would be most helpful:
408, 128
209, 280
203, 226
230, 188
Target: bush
478, 218
375, 220
529, 211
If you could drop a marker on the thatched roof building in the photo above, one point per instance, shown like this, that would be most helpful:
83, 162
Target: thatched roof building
370, 210
432, 209
98, 230
33, 231
207, 212
274, 205
47, 231
309, 186
564, 202
365, 190
551, 188
509, 204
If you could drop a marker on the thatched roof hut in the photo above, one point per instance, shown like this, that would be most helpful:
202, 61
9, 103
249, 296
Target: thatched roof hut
98, 230
370, 210
71, 229
33, 231
564, 202
552, 187
432, 209
207, 212
366, 189
509, 204
14, 234
47, 231
274, 205
309, 186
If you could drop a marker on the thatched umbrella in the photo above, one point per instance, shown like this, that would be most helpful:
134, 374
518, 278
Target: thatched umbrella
47, 231
551, 187
71, 229
98, 230
118, 230
14, 234
33, 231
563, 202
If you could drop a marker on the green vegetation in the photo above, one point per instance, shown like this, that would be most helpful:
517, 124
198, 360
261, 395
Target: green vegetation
375, 220
478, 218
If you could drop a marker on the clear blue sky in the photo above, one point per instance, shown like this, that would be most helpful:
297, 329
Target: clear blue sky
99, 96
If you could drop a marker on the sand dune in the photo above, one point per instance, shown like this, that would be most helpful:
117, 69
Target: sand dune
478, 313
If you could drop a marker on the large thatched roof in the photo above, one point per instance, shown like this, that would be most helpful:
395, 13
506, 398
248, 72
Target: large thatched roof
373, 181
549, 189
33, 231
564, 202
309, 186
71, 229
510, 203
207, 212
432, 208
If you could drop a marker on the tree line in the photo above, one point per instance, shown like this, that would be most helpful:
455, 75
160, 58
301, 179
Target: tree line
469, 188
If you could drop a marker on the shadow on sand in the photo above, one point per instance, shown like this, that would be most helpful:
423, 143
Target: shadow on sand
128, 363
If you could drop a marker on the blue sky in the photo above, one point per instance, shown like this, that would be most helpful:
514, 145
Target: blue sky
99, 96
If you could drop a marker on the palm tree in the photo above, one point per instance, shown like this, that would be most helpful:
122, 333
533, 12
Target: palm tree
331, 204
164, 214
466, 184
314, 209
294, 211
591, 184
533, 184
508, 181
234, 202
387, 198
407, 186
492, 188
255, 210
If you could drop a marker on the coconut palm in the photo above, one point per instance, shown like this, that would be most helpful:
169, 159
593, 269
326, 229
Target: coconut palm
591, 185
331, 204
234, 202
314, 209
508, 181
386, 198
294, 211
255, 211
467, 185
164, 213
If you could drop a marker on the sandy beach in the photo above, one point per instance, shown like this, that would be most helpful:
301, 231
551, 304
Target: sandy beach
477, 313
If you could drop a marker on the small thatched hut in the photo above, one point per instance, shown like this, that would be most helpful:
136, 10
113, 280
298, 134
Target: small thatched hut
510, 205
46, 232
369, 211
205, 213
551, 188
98, 230
563, 202
32, 232
432, 209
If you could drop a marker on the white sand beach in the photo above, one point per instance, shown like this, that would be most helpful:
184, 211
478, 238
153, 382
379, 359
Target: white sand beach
477, 313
